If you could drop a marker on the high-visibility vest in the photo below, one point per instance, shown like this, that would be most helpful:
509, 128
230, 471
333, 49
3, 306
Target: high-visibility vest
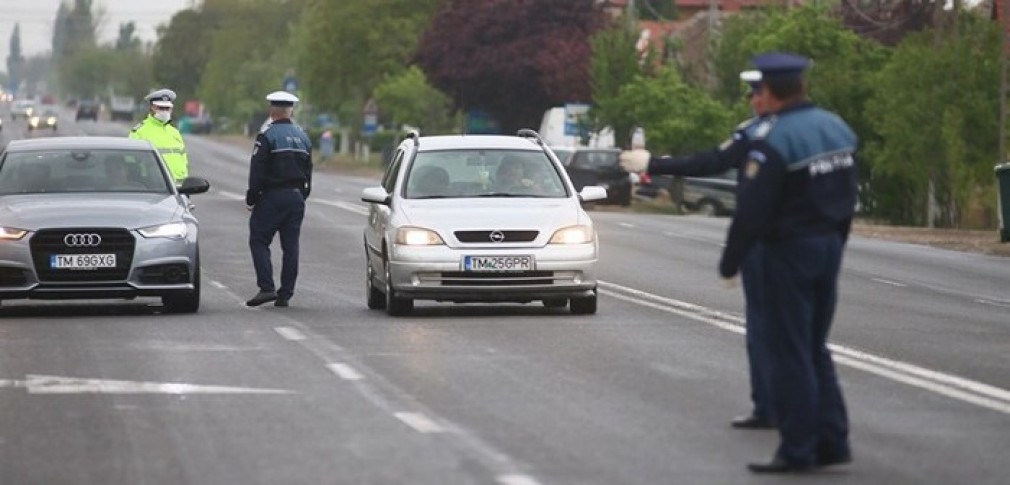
168, 141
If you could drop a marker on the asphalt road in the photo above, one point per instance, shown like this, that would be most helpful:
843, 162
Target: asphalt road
327, 391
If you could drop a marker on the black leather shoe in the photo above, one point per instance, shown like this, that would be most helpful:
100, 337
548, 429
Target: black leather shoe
830, 460
282, 301
261, 298
778, 465
751, 422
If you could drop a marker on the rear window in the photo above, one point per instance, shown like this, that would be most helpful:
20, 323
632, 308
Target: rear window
54, 171
483, 173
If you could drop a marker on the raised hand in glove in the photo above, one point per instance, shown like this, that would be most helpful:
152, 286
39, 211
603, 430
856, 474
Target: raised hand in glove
636, 160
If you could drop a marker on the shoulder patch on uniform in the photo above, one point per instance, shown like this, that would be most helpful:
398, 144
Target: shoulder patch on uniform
762, 129
137, 126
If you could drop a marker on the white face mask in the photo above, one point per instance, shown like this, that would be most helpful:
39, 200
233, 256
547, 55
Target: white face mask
163, 116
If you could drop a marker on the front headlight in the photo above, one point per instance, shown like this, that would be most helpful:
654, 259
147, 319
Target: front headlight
573, 235
51, 120
11, 234
33, 121
172, 230
416, 236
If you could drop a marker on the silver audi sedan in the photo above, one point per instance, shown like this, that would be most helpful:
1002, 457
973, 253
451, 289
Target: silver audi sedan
479, 218
96, 217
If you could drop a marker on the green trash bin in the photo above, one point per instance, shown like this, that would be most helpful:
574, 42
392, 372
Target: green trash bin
1003, 189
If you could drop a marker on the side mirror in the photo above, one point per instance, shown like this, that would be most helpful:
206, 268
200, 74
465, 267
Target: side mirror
590, 193
194, 185
375, 195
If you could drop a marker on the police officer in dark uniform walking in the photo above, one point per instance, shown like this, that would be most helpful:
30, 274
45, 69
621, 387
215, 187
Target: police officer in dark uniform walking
280, 179
797, 198
732, 154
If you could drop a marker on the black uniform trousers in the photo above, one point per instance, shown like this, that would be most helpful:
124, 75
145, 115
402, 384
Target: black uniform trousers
757, 349
277, 210
800, 291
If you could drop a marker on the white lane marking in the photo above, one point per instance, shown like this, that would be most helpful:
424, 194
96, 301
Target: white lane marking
993, 303
217, 284
949, 385
230, 195
516, 479
419, 422
345, 371
46, 384
290, 333
625, 224
691, 238
347, 206
889, 282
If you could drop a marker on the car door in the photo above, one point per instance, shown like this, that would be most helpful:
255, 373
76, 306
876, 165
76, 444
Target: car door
379, 214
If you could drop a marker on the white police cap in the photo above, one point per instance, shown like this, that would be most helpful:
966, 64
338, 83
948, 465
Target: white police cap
752, 78
161, 97
282, 98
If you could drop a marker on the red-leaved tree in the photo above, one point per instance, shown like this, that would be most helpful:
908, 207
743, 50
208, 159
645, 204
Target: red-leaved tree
511, 58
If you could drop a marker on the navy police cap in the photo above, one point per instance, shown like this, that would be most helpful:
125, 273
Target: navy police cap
780, 64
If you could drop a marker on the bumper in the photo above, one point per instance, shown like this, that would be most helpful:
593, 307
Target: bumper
159, 267
437, 273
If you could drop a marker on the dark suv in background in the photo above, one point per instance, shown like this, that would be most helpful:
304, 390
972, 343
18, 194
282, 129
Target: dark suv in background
600, 167
87, 109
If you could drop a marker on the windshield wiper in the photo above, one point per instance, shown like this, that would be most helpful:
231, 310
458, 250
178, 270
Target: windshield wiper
433, 197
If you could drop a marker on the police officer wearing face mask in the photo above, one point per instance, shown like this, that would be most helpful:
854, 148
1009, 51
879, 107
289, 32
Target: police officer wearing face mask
797, 198
157, 129
280, 179
731, 154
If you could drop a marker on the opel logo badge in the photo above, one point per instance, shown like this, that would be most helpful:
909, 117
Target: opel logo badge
75, 240
496, 236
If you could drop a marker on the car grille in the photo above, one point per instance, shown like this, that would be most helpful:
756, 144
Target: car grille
459, 278
485, 236
47, 242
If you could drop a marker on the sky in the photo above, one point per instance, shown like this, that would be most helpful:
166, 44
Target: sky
36, 18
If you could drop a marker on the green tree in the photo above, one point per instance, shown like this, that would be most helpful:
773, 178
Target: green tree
614, 63
677, 118
247, 57
127, 39
345, 49
180, 54
14, 58
936, 109
408, 98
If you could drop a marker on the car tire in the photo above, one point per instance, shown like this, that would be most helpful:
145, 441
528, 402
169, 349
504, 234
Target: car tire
555, 302
188, 303
584, 305
708, 208
376, 299
395, 306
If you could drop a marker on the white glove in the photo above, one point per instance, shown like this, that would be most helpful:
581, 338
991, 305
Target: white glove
729, 283
636, 160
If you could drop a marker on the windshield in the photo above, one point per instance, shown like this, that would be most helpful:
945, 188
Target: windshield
54, 171
483, 173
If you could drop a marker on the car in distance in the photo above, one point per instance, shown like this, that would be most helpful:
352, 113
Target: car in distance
600, 167
44, 119
479, 218
22, 108
96, 218
87, 110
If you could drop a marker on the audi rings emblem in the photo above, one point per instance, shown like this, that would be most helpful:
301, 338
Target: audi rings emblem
496, 236
88, 240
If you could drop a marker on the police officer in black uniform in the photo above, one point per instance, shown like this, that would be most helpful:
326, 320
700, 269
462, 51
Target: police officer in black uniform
732, 154
280, 179
797, 198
